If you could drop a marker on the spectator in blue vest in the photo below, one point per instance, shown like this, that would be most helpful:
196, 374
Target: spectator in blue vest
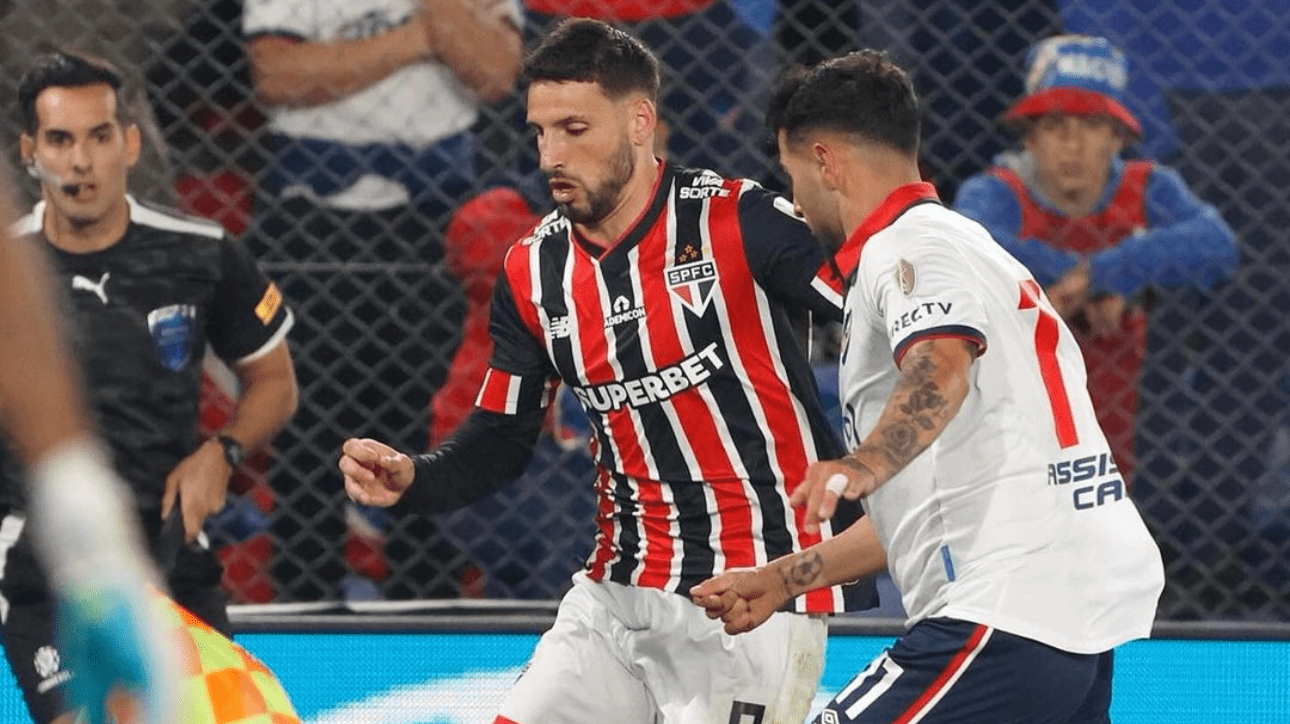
1097, 231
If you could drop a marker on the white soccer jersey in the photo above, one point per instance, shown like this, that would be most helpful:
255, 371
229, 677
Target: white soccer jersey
417, 105
1015, 517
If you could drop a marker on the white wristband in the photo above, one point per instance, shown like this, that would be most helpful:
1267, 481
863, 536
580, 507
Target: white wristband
79, 510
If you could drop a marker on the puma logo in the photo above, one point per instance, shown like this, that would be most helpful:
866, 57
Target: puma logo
99, 289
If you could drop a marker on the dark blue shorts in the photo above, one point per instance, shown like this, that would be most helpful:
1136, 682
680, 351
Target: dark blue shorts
945, 670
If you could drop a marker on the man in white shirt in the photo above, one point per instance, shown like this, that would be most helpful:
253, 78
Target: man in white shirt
991, 492
371, 105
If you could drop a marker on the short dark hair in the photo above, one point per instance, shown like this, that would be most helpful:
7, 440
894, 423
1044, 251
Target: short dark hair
582, 50
864, 94
65, 70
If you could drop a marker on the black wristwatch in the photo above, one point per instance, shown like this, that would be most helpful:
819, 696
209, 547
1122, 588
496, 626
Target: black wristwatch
233, 450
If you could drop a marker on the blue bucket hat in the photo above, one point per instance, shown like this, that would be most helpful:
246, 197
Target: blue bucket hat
1078, 75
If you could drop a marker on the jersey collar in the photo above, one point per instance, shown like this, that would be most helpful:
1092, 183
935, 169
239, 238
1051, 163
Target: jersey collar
34, 223
643, 223
897, 202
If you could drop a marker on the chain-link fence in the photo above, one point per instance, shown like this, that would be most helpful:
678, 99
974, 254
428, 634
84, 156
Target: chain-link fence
382, 304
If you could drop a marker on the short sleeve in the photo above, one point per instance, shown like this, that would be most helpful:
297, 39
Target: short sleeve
520, 375
248, 315
280, 17
782, 253
919, 289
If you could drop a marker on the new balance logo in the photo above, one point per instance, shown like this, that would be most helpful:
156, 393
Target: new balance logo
560, 328
85, 285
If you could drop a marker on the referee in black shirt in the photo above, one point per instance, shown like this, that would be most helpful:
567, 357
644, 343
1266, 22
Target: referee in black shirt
146, 294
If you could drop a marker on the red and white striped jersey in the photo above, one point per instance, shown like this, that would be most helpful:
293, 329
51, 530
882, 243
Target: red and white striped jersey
684, 343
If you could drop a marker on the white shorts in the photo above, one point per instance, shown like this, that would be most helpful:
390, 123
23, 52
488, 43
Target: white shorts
642, 656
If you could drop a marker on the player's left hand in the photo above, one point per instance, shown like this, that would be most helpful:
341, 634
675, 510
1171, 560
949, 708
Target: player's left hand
200, 482
827, 481
742, 599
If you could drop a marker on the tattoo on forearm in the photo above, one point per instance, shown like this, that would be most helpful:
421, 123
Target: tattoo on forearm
802, 573
854, 462
924, 407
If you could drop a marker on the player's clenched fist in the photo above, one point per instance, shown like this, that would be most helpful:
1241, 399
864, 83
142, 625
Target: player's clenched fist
375, 473
742, 599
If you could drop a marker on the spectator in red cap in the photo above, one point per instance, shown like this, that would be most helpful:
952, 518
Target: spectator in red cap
1096, 230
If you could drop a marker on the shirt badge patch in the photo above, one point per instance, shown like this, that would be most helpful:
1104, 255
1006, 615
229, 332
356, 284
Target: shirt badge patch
693, 283
172, 334
269, 304
905, 277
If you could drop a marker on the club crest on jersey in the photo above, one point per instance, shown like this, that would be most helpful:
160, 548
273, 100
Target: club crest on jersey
693, 283
905, 277
172, 334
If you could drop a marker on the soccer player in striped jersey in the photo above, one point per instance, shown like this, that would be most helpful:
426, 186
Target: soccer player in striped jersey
145, 293
670, 301
991, 492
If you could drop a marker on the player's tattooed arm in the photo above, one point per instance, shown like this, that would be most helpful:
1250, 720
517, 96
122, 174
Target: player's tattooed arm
848, 556
931, 388
802, 572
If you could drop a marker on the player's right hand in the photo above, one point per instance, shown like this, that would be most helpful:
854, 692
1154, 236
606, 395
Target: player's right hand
825, 483
375, 473
742, 599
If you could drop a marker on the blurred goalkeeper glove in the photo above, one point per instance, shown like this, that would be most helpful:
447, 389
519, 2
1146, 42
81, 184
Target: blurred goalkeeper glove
110, 637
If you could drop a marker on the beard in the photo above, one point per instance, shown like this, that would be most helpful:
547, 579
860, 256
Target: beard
603, 199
